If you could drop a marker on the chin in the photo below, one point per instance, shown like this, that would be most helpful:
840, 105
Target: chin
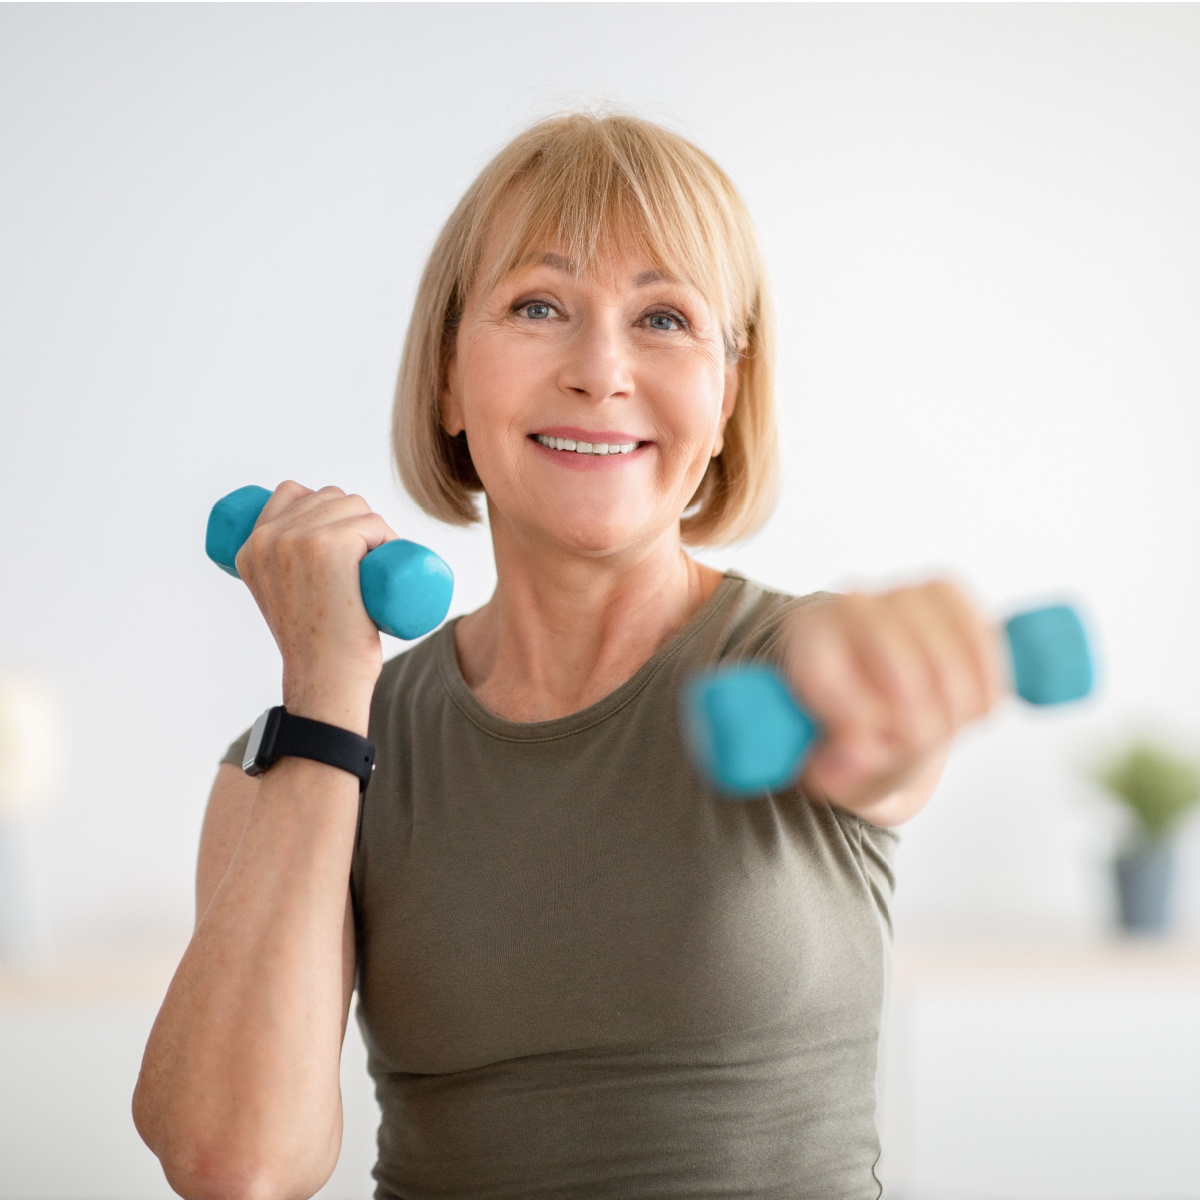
594, 542
595, 533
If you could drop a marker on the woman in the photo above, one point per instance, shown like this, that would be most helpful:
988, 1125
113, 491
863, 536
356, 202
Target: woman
580, 972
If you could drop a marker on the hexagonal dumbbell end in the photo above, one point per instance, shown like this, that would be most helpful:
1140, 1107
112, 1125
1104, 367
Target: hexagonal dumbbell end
743, 728
748, 735
406, 588
231, 522
1051, 660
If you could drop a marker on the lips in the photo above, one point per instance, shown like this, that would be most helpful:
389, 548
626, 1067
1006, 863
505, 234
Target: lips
579, 454
574, 433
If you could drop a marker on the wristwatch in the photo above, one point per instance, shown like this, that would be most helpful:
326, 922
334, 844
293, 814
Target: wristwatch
278, 733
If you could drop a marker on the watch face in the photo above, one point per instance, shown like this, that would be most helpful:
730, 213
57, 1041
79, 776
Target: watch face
258, 748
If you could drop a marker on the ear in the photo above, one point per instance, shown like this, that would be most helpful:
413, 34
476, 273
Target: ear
733, 381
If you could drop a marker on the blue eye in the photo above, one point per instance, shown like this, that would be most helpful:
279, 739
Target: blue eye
537, 311
667, 322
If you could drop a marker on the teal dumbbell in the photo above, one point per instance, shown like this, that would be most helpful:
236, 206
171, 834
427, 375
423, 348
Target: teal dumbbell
748, 735
406, 589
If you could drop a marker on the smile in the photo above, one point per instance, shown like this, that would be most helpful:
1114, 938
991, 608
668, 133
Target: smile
575, 447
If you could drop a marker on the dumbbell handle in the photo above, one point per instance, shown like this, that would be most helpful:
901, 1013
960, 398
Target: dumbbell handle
406, 588
748, 735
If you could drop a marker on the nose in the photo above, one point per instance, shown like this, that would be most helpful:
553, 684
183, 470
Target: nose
598, 364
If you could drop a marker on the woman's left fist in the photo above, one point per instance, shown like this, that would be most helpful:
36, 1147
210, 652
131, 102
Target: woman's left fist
890, 678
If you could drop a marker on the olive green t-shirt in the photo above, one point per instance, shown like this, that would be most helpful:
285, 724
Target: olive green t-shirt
581, 973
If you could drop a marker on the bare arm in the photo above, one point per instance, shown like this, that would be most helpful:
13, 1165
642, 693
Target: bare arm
239, 1094
239, 1091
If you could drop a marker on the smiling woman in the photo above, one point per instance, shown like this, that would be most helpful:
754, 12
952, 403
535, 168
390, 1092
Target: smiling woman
580, 973
565, 195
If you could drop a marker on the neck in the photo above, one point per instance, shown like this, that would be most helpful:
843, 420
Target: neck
565, 629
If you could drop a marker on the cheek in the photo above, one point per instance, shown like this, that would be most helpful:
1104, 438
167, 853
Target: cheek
491, 384
690, 404
500, 373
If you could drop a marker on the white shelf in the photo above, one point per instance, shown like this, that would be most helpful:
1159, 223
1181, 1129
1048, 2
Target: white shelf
920, 964
132, 978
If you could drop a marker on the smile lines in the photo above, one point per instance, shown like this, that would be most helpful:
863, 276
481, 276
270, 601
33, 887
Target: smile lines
584, 447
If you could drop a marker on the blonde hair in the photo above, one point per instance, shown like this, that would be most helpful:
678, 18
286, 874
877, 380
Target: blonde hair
582, 183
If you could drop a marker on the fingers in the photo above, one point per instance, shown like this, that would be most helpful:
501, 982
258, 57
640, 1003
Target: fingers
828, 674
282, 498
956, 643
890, 679
292, 504
980, 642
320, 526
301, 564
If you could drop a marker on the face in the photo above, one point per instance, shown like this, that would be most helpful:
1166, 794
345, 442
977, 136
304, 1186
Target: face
592, 404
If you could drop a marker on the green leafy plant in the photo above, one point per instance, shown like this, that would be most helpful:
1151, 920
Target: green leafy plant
1157, 785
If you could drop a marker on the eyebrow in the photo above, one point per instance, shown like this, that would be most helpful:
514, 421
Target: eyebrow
641, 279
558, 262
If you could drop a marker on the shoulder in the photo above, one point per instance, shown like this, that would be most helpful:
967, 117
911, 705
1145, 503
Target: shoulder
414, 670
757, 616
411, 697
413, 681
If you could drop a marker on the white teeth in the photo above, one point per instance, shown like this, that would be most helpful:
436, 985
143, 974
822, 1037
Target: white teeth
586, 447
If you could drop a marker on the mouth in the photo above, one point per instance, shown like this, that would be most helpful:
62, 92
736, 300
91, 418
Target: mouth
580, 442
571, 446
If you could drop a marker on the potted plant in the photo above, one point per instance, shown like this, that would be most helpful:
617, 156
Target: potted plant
1158, 787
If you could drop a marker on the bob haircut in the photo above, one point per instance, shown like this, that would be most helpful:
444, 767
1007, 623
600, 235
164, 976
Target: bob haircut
581, 184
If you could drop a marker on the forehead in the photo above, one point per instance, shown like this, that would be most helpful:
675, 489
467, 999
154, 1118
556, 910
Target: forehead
615, 266
617, 245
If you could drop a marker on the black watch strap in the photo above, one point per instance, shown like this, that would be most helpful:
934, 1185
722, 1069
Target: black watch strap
279, 733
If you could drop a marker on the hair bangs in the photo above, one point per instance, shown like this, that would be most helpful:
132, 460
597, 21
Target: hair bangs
587, 197
593, 188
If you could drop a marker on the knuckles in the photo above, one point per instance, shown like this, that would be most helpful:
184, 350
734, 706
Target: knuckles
299, 562
891, 677
308, 538
288, 492
923, 687
944, 590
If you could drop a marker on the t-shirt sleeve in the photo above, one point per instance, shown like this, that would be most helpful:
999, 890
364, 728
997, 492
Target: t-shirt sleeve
236, 753
761, 634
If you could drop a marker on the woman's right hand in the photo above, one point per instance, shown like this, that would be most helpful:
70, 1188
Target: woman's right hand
301, 564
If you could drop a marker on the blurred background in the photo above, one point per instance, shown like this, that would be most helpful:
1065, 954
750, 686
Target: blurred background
981, 223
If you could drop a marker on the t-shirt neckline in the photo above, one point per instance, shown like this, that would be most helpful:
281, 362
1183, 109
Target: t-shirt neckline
541, 731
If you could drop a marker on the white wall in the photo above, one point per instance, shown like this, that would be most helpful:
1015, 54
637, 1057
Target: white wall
981, 226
